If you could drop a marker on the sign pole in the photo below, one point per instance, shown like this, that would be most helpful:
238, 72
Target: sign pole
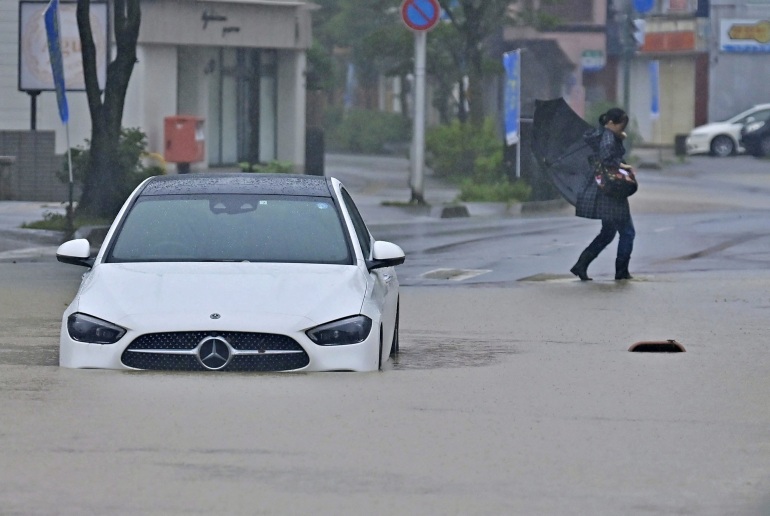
418, 138
420, 16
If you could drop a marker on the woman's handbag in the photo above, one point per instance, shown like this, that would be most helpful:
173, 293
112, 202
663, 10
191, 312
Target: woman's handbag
614, 182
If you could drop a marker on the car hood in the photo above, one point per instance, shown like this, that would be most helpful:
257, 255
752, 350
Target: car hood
245, 295
717, 127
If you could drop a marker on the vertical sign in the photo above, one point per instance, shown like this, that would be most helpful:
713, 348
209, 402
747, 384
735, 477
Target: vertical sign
512, 64
51, 16
654, 70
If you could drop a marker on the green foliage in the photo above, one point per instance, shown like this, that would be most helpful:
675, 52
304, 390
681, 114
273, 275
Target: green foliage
462, 151
365, 131
321, 73
58, 222
131, 149
473, 157
500, 191
273, 167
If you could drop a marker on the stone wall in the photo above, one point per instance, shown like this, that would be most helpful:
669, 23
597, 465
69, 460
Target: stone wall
32, 176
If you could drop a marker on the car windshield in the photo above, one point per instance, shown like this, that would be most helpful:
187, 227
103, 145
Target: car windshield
231, 227
742, 118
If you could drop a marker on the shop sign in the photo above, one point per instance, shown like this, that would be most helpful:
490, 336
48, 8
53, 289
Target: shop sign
593, 60
744, 36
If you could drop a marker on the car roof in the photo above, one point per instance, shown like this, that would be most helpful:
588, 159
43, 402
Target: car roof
243, 183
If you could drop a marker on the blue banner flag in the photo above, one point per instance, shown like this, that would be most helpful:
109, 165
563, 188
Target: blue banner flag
654, 69
512, 104
51, 16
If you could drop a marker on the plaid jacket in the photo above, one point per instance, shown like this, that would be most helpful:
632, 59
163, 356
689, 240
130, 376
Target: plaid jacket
592, 203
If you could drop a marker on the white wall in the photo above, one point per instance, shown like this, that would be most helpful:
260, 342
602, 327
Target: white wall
291, 107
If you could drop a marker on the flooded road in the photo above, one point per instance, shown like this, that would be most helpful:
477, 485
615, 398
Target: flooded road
515, 400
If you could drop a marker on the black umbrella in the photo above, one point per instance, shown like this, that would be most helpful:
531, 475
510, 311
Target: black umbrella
558, 145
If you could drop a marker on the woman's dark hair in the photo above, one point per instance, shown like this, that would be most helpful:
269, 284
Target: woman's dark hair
614, 115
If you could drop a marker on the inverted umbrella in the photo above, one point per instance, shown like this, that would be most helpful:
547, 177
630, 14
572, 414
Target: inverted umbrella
558, 145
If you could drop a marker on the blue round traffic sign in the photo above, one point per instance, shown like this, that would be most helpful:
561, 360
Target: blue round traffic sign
420, 14
643, 6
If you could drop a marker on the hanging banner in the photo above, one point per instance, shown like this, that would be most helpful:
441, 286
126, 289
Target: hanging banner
51, 17
654, 70
512, 104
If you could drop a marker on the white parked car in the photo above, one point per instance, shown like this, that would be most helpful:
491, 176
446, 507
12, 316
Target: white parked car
234, 272
722, 138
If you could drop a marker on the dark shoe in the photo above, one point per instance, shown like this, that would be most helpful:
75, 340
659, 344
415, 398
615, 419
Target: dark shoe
621, 269
580, 269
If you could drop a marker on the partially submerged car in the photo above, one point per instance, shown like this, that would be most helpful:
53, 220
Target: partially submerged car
234, 272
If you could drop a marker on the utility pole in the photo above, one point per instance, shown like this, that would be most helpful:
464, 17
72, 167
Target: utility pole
628, 49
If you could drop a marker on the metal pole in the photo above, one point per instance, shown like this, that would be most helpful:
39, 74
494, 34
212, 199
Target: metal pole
70, 210
33, 109
418, 138
628, 46
518, 113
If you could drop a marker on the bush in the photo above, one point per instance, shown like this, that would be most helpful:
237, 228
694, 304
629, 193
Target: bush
501, 191
129, 158
272, 167
461, 151
364, 131
474, 158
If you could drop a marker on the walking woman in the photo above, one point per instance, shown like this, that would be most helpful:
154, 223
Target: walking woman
593, 203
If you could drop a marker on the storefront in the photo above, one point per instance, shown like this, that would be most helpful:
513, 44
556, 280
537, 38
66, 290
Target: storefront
237, 64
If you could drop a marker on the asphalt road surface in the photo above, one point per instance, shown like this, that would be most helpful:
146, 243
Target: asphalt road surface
512, 398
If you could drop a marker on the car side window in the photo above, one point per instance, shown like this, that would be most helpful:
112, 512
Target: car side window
364, 238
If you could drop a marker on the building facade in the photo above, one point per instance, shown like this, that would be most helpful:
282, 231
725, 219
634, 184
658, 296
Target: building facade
739, 56
238, 65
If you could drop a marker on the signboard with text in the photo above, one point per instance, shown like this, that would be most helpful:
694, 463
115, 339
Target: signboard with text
35, 73
744, 36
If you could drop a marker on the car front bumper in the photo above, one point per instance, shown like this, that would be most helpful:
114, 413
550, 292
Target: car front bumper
363, 356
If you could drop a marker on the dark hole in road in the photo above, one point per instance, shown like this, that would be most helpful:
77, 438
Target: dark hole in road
662, 346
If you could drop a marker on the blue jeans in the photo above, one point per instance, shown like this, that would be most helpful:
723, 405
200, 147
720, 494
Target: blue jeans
626, 231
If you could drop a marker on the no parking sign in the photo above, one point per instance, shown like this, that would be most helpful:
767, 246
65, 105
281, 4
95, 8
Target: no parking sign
420, 15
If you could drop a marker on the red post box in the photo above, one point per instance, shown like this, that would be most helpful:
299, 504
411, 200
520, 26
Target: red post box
184, 140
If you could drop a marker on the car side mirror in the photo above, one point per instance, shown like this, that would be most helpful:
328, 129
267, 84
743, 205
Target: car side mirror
385, 254
75, 252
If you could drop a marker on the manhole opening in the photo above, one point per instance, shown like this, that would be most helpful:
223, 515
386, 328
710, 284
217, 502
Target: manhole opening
662, 346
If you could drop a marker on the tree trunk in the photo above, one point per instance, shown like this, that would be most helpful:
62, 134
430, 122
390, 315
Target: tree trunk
102, 185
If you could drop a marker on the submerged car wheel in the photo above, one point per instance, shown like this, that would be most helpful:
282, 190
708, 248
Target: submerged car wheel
722, 146
394, 349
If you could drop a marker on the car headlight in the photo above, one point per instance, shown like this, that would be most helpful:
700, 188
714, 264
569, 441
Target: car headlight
350, 330
85, 328
753, 126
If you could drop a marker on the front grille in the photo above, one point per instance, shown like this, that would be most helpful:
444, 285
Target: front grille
177, 351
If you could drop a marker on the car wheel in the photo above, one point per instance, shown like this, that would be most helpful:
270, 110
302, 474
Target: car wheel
722, 146
394, 349
764, 146
379, 355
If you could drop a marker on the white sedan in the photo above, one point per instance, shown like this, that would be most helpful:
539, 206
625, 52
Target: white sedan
723, 138
234, 272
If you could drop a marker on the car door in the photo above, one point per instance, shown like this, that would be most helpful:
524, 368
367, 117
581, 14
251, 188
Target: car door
383, 282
